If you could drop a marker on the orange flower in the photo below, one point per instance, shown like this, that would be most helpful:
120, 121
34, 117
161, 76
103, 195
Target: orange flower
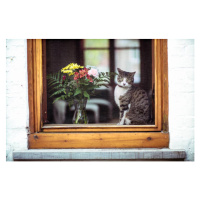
83, 72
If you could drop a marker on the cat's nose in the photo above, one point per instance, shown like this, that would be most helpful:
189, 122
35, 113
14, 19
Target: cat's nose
124, 83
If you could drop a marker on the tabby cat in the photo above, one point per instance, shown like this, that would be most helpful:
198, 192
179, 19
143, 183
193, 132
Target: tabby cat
133, 102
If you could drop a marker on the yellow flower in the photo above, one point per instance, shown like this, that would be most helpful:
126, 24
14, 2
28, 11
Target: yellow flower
70, 72
69, 69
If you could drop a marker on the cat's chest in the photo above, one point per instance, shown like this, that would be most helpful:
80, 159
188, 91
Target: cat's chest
119, 91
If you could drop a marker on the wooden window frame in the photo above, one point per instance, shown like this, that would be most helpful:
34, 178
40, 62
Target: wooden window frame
43, 136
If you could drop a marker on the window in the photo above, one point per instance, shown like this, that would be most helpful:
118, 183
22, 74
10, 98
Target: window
96, 53
105, 135
106, 55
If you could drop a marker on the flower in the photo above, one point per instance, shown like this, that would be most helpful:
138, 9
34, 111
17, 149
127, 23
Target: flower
83, 72
76, 76
93, 72
64, 77
69, 69
90, 78
81, 84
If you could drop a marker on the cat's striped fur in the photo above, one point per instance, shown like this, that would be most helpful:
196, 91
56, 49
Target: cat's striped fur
132, 101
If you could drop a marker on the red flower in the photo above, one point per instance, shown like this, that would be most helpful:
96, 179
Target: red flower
90, 78
64, 77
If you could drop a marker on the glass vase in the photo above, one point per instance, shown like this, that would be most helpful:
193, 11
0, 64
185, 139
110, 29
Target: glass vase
80, 115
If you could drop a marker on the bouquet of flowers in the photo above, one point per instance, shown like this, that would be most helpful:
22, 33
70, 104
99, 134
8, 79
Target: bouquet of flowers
75, 83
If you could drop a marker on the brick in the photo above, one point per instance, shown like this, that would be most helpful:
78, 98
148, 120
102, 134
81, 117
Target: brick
178, 50
181, 62
15, 42
181, 95
16, 96
181, 104
189, 50
183, 42
182, 143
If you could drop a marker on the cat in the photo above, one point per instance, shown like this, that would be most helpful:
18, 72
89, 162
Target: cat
133, 102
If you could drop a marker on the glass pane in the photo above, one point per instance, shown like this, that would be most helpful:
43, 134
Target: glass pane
127, 43
100, 108
97, 58
128, 60
96, 43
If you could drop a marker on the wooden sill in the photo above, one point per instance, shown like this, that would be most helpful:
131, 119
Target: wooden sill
93, 125
97, 128
98, 140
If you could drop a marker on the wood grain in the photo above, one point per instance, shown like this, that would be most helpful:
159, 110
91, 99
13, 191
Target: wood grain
39, 87
96, 128
159, 85
34, 58
30, 65
44, 83
165, 110
98, 140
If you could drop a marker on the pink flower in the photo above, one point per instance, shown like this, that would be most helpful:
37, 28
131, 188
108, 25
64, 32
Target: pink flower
93, 72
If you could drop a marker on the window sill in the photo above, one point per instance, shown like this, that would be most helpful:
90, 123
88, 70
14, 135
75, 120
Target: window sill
100, 154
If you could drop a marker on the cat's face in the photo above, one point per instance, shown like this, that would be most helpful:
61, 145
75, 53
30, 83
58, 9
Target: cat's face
125, 79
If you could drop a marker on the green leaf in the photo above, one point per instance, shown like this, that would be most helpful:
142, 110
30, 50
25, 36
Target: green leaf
60, 91
77, 91
58, 98
86, 95
92, 87
69, 94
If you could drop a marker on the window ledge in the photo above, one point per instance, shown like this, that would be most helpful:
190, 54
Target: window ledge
100, 154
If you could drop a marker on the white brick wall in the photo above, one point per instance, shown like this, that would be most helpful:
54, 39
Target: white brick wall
181, 95
16, 96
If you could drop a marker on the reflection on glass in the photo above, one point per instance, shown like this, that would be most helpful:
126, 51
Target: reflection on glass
128, 60
127, 43
97, 58
96, 43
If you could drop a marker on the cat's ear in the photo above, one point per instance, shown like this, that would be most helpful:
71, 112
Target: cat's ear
133, 73
119, 70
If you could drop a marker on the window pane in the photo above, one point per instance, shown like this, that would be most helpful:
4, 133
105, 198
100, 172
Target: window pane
97, 58
96, 43
128, 60
127, 43
101, 108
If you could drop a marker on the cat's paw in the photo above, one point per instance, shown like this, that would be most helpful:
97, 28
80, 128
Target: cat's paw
127, 121
120, 123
